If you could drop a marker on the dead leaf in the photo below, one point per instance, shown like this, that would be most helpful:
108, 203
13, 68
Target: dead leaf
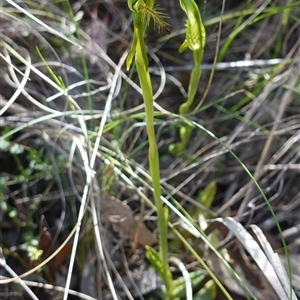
46, 244
123, 219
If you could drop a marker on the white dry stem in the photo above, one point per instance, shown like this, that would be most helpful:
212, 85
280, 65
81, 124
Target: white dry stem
78, 84
89, 175
162, 73
21, 84
48, 286
107, 109
51, 30
247, 63
41, 75
19, 280
93, 158
8, 61
186, 276
89, 167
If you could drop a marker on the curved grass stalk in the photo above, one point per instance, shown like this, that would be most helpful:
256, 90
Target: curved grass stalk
142, 11
195, 40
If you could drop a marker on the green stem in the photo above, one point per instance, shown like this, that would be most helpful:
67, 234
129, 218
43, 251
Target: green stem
194, 82
141, 61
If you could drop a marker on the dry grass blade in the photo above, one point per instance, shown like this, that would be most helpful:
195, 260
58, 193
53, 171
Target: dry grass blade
264, 257
272, 257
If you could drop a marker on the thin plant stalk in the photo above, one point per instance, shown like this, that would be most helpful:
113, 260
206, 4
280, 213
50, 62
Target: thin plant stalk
142, 11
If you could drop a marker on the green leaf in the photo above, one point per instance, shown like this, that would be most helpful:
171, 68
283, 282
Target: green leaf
206, 198
208, 292
183, 46
16, 149
13, 214
4, 145
178, 290
131, 53
34, 253
20, 178
155, 260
